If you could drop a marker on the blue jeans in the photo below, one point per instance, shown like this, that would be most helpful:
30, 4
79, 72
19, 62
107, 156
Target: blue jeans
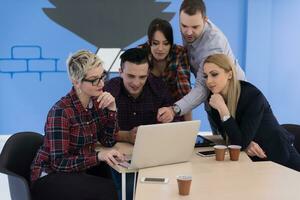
117, 178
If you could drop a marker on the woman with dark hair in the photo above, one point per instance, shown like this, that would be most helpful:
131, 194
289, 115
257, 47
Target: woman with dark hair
241, 113
168, 60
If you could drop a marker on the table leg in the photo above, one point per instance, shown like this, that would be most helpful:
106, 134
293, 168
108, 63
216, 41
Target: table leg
123, 186
134, 184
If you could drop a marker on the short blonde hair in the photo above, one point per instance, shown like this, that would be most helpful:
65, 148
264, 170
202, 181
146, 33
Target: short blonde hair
80, 62
234, 87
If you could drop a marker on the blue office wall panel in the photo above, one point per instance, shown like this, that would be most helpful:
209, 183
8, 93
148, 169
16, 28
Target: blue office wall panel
273, 54
285, 63
258, 43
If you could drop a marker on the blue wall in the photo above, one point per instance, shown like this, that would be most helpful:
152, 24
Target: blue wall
27, 97
261, 34
272, 54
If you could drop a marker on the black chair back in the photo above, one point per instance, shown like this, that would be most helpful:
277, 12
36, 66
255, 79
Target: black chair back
295, 130
19, 152
17, 186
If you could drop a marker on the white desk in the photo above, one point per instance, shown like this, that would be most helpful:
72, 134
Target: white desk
127, 148
216, 180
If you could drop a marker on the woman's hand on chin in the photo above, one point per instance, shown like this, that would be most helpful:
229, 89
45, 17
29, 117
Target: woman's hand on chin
106, 100
217, 102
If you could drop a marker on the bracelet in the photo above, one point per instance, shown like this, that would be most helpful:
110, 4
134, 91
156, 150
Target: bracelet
97, 156
225, 118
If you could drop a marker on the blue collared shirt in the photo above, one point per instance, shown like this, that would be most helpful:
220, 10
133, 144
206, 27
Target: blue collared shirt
211, 41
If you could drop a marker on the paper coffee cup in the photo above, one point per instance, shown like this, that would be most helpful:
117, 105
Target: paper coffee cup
220, 152
184, 184
234, 152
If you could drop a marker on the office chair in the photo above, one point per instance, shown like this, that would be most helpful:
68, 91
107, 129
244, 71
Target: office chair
295, 130
15, 160
17, 186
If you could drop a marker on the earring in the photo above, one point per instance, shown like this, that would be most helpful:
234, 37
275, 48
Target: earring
79, 91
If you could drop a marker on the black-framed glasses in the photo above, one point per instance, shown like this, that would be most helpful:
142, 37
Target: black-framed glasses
96, 81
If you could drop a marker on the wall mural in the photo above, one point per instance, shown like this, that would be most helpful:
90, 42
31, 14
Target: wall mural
95, 21
32, 65
40, 35
107, 23
28, 59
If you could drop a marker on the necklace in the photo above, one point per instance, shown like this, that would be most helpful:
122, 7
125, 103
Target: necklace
159, 67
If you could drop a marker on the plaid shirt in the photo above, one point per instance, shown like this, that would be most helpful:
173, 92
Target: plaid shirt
71, 132
142, 110
177, 74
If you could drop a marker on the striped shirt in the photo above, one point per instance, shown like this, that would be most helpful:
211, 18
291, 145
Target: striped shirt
71, 132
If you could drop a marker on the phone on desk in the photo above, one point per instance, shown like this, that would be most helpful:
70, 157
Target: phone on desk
154, 180
206, 153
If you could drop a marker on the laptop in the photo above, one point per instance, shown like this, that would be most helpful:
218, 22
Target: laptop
162, 144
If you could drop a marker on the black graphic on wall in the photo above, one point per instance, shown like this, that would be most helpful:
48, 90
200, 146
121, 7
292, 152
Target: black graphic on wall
107, 23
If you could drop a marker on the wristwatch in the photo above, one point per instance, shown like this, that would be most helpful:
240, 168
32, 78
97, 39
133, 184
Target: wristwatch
176, 109
225, 118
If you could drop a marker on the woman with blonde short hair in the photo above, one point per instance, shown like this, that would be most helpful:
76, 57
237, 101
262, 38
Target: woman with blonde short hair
67, 166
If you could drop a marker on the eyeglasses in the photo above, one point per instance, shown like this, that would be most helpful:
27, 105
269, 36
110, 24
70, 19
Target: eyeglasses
96, 81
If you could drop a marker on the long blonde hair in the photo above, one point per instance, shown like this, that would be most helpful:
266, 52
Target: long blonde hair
234, 87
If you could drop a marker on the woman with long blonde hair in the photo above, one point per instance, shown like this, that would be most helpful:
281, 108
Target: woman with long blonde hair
240, 112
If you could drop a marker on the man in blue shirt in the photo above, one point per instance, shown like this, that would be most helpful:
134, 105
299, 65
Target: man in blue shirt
201, 38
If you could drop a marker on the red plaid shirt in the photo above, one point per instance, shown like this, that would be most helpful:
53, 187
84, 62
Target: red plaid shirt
71, 132
177, 72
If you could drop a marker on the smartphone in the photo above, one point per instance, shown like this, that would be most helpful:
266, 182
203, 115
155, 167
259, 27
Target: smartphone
154, 180
206, 153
